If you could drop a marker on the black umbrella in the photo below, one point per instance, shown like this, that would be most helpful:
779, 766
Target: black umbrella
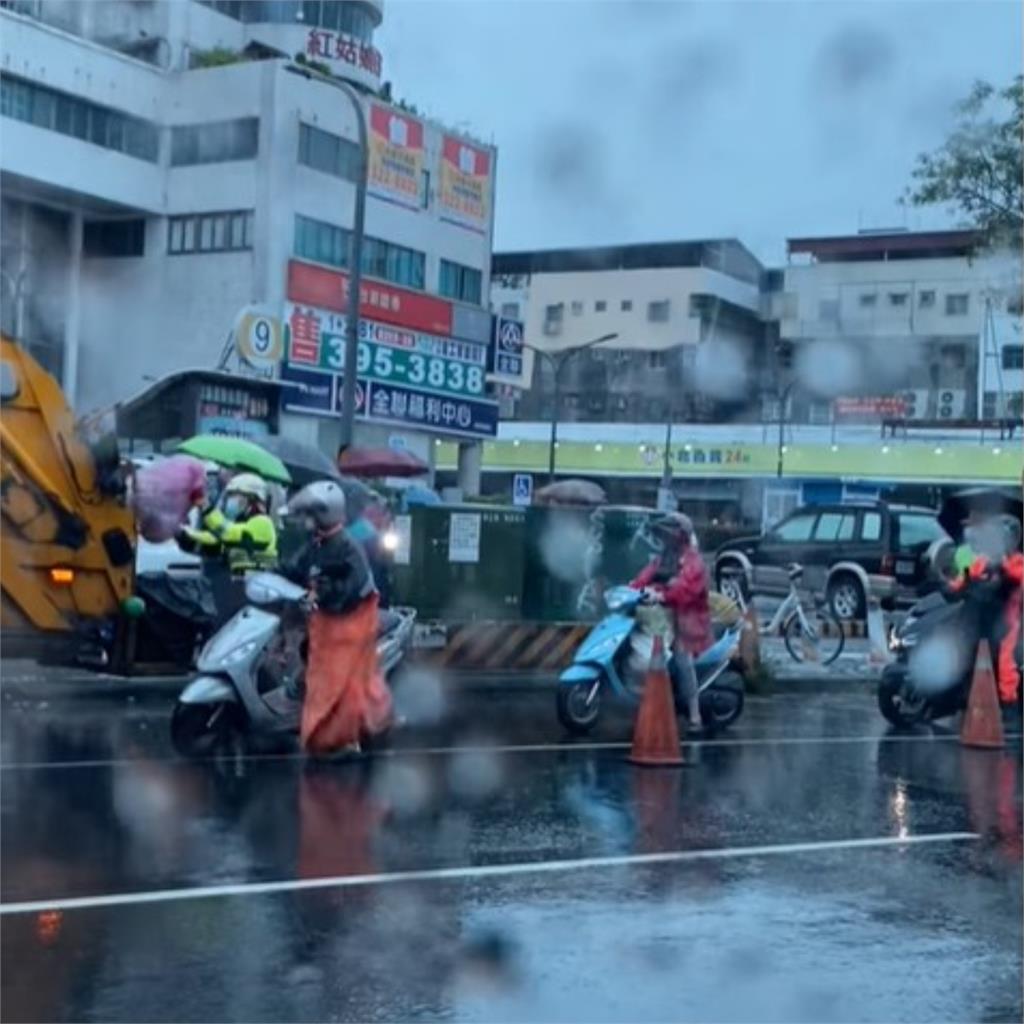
990, 501
305, 462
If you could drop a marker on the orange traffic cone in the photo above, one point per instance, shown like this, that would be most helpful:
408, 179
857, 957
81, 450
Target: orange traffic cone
656, 734
983, 725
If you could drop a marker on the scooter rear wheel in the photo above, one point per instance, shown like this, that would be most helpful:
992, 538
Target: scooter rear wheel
576, 714
899, 706
203, 730
721, 705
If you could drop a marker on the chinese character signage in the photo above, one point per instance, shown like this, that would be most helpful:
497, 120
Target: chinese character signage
508, 348
405, 377
317, 341
870, 407
343, 54
464, 193
396, 156
328, 289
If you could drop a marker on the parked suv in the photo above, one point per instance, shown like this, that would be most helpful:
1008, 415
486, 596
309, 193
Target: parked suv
849, 553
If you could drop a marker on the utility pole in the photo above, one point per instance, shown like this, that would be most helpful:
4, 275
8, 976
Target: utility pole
355, 269
558, 361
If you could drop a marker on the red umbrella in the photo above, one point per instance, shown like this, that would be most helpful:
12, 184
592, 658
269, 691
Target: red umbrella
380, 462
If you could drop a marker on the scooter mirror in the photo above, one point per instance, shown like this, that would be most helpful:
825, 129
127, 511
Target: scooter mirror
938, 559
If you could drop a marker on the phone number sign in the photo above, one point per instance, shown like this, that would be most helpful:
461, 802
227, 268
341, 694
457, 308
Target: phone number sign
316, 340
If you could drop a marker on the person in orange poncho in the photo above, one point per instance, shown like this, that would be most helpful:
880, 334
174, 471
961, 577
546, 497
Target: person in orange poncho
347, 699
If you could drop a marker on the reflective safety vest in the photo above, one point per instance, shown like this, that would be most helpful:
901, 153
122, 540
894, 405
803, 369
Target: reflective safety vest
251, 544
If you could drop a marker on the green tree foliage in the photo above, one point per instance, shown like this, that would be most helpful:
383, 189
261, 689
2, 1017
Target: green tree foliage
978, 169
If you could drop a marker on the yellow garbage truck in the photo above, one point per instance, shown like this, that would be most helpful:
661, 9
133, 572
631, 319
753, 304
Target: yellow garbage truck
67, 538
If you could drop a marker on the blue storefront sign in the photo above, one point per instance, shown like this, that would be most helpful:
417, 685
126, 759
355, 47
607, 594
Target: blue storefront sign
468, 417
307, 391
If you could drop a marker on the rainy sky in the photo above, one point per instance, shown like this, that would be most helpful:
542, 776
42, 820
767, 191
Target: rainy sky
642, 121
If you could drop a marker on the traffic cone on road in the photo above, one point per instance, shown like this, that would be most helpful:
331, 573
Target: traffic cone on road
983, 725
656, 733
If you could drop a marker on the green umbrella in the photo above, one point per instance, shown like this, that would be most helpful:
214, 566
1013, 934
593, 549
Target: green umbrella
237, 453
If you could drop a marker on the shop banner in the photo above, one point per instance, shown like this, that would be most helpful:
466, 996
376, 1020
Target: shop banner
871, 407
303, 391
316, 341
396, 156
464, 194
328, 289
389, 403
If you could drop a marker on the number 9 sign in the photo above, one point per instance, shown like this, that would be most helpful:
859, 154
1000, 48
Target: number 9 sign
259, 339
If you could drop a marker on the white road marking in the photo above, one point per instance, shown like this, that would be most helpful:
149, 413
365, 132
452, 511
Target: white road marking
512, 748
472, 872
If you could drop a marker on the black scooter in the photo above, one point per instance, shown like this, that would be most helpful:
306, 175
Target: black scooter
952, 619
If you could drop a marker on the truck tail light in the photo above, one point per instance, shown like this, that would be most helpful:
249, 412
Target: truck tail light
888, 567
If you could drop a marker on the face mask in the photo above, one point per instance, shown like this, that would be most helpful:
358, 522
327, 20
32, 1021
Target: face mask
234, 507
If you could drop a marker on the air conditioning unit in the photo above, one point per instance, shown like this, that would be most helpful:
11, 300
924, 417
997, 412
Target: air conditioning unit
951, 404
915, 403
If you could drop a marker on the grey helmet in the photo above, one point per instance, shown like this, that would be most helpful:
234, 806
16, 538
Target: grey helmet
673, 527
323, 501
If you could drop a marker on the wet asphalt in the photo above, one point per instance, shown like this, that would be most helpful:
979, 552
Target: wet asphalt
733, 889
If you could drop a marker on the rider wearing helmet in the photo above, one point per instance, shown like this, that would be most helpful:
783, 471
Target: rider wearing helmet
346, 696
243, 531
679, 575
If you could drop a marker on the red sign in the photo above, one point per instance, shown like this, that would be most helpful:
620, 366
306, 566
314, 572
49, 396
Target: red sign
324, 45
328, 289
871, 405
465, 186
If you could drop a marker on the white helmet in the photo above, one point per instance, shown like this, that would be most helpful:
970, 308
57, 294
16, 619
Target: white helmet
323, 501
251, 486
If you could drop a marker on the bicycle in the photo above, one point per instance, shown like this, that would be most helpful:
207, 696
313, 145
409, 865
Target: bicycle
803, 637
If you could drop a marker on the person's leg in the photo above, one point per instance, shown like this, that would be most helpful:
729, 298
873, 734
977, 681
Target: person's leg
688, 685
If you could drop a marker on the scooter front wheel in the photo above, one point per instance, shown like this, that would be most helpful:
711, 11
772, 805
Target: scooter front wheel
579, 706
900, 706
202, 730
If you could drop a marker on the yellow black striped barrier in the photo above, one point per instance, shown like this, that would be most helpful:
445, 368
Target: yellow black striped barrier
500, 646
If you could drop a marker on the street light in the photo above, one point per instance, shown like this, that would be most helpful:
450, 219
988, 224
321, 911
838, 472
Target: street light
558, 361
783, 402
355, 270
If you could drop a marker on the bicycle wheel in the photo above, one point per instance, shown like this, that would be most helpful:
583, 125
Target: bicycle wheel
825, 635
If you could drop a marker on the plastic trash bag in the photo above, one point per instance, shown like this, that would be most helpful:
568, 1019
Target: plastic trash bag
164, 493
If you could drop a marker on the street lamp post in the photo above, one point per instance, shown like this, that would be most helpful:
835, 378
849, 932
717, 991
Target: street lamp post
558, 361
355, 270
783, 402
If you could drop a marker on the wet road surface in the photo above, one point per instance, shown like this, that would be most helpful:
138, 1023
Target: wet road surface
806, 866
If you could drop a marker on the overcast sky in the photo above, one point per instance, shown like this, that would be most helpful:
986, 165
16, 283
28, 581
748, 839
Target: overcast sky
644, 121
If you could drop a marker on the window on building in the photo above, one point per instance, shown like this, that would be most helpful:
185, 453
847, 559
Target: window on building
658, 312
867, 300
462, 283
926, 298
230, 231
1013, 357
990, 405
553, 316
576, 308
215, 142
656, 360
954, 356
109, 238
828, 310
510, 310
956, 304
626, 305
600, 306
897, 298
68, 115
819, 413
597, 402
324, 243
329, 153
394, 263
572, 401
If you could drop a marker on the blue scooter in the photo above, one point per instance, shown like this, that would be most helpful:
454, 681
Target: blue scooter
616, 655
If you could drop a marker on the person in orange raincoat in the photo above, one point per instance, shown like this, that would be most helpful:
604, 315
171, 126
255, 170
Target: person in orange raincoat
1000, 566
347, 699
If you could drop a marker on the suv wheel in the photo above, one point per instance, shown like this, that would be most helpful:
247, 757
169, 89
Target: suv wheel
846, 598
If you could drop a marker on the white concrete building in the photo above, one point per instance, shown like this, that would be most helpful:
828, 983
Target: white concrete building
662, 300
163, 165
915, 309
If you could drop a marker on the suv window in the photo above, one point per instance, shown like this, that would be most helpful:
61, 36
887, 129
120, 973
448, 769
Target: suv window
795, 529
917, 531
833, 526
871, 526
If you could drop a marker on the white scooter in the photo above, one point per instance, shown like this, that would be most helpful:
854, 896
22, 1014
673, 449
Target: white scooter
249, 668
